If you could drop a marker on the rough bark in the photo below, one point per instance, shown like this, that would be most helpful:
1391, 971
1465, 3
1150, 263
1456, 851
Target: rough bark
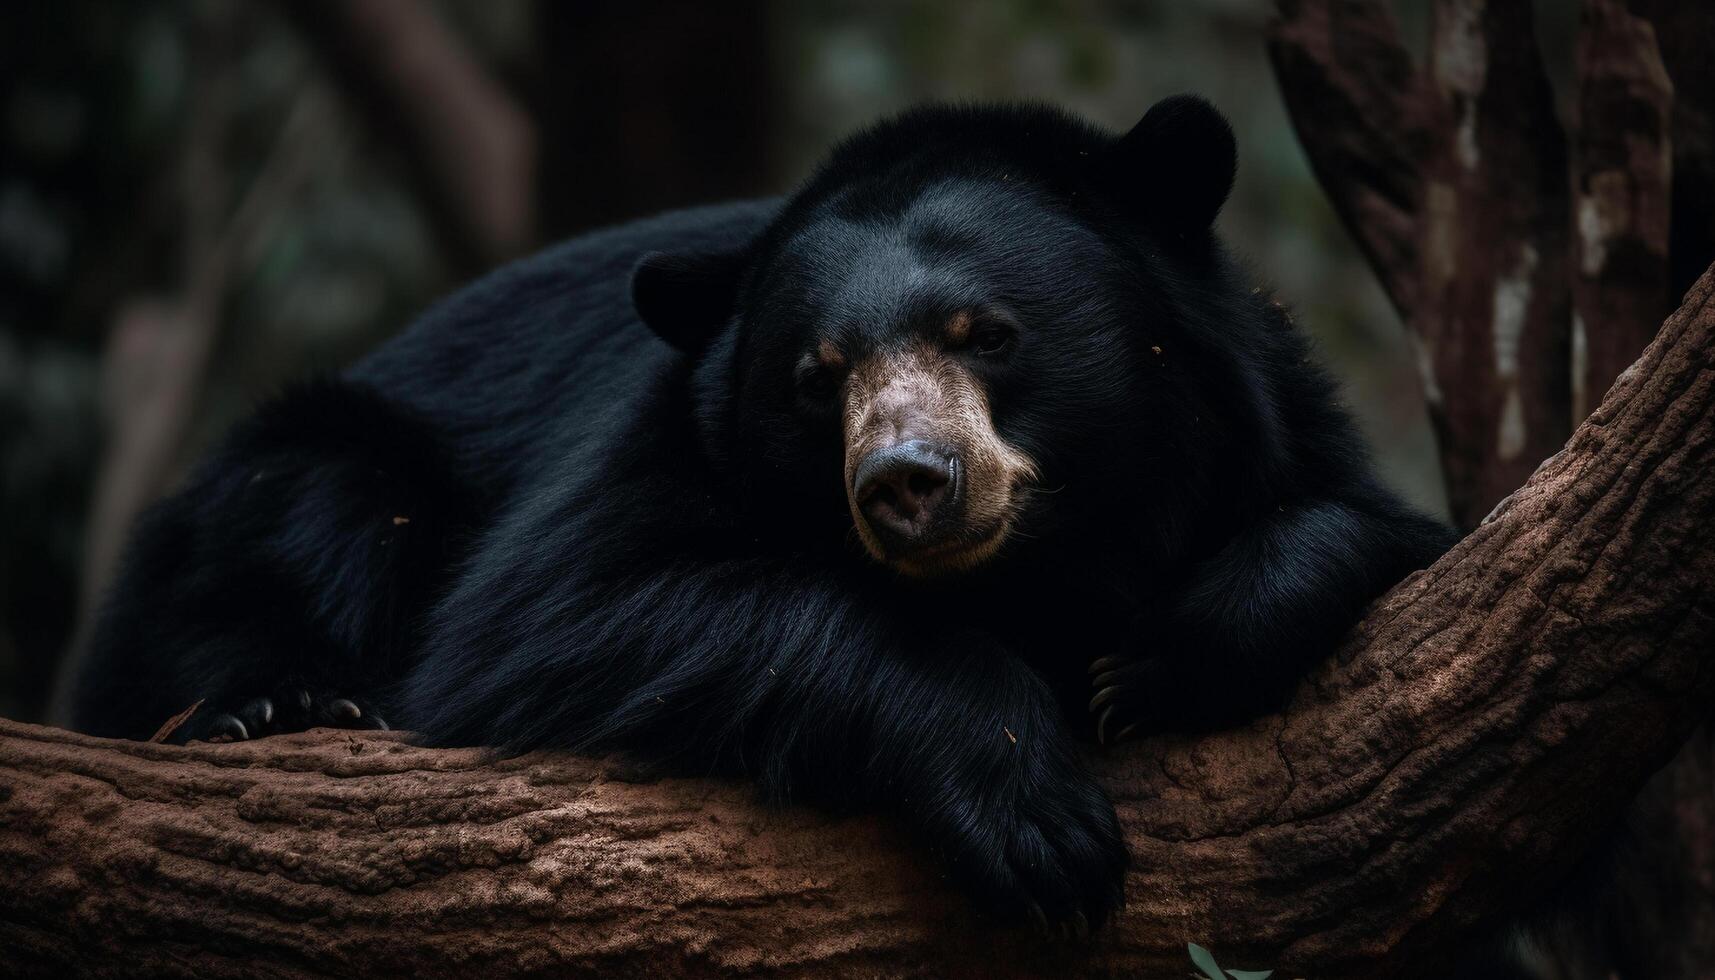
1501, 241
1493, 307
1363, 115
1667, 918
1621, 196
1682, 31
1484, 721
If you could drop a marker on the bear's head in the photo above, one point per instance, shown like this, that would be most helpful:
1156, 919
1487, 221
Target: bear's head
963, 313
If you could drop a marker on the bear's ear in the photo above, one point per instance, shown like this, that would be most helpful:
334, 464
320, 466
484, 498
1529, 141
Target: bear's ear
686, 297
1176, 166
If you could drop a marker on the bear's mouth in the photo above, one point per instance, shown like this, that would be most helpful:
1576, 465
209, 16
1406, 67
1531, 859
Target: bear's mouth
967, 533
958, 554
959, 545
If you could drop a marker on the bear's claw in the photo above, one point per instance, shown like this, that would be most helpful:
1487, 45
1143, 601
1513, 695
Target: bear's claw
344, 709
1114, 679
1105, 695
1102, 665
291, 710
1125, 731
226, 728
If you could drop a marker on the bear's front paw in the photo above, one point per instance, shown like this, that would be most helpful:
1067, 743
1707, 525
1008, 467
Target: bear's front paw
293, 709
1053, 857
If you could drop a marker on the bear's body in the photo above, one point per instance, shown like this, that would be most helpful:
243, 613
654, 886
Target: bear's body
1075, 444
540, 362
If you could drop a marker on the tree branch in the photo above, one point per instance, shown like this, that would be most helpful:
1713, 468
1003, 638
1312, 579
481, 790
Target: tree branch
1487, 718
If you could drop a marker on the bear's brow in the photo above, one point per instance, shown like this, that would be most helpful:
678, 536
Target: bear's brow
958, 327
828, 353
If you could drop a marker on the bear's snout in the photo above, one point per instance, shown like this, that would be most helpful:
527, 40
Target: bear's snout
908, 493
931, 484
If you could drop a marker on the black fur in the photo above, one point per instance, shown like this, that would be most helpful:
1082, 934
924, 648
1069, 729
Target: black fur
613, 543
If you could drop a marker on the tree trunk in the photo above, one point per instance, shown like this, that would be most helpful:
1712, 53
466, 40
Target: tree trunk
1530, 268
1365, 121
1454, 758
1682, 32
1621, 197
1492, 318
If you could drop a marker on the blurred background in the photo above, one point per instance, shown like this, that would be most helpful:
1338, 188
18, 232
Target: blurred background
202, 199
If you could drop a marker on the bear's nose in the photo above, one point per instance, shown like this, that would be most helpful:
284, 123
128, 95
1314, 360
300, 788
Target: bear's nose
907, 491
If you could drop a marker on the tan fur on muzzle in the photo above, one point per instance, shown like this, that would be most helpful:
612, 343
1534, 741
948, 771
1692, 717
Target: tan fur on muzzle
921, 393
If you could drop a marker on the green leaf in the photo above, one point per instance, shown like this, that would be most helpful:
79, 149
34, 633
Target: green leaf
1205, 961
1250, 974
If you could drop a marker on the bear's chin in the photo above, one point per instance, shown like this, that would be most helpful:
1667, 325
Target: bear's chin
947, 559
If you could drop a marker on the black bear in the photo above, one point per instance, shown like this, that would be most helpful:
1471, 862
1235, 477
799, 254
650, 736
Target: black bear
881, 495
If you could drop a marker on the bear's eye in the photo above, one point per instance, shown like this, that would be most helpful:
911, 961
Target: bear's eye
989, 338
818, 383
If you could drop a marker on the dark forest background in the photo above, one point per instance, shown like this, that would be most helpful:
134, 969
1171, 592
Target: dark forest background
202, 199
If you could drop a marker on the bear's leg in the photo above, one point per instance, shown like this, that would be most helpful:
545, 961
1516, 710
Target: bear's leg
282, 585
1235, 641
824, 690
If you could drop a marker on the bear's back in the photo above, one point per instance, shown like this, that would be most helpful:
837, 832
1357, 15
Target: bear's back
545, 355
